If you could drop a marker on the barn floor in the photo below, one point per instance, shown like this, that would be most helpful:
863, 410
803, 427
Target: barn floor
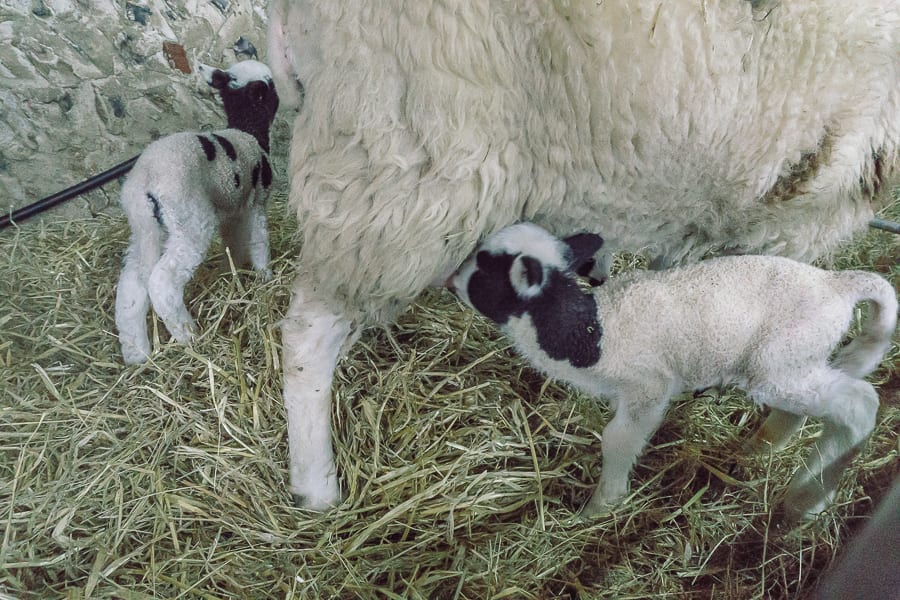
462, 467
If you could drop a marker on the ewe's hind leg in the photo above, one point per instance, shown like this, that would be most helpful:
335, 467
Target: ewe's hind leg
132, 299
776, 431
183, 253
848, 408
313, 334
623, 440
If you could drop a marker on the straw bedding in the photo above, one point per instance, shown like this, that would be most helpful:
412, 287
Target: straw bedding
461, 466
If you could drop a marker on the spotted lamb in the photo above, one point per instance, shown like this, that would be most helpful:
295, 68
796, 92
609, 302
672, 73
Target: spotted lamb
761, 323
182, 188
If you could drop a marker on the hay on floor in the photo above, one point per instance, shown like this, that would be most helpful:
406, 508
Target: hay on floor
462, 467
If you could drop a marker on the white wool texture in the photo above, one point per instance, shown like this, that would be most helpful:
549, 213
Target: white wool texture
675, 129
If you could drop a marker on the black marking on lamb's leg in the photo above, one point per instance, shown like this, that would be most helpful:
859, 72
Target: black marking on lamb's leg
254, 175
157, 212
227, 146
237, 179
208, 147
266, 171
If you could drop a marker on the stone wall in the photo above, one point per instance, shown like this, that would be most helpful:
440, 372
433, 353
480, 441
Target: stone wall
85, 85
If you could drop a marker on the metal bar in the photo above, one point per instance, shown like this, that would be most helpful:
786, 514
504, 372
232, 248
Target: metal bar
885, 225
49, 202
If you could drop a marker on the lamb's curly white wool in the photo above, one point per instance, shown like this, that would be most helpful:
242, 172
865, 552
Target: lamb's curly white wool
676, 128
765, 324
182, 188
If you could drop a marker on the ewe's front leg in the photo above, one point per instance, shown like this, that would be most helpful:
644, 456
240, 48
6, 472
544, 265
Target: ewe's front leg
624, 437
312, 335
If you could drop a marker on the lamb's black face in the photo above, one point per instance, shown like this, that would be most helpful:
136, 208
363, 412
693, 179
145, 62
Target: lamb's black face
487, 287
256, 101
248, 95
504, 284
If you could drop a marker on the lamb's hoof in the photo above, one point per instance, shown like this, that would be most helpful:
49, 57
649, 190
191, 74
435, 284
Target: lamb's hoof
183, 333
134, 355
757, 446
788, 514
595, 509
784, 518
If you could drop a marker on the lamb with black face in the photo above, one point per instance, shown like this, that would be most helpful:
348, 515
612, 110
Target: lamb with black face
768, 325
521, 273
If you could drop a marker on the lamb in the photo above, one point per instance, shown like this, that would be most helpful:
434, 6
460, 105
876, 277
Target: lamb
678, 129
183, 187
765, 324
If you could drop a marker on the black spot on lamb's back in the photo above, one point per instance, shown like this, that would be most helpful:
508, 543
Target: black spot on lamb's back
208, 147
262, 172
227, 146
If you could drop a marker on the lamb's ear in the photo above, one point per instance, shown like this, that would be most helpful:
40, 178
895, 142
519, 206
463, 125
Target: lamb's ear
526, 276
583, 247
218, 78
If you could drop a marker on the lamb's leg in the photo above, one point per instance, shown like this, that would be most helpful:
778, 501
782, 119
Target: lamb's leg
848, 408
247, 236
313, 334
181, 257
234, 232
775, 432
623, 440
132, 299
258, 243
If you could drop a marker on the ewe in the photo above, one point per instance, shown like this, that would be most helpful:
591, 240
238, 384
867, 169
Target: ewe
764, 324
180, 190
676, 128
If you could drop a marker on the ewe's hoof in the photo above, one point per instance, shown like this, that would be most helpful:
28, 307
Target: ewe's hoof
307, 503
319, 500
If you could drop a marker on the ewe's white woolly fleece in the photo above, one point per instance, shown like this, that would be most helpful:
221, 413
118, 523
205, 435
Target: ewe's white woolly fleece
664, 126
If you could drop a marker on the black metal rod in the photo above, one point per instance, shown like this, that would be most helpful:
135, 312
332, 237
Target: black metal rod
885, 225
120, 169
49, 202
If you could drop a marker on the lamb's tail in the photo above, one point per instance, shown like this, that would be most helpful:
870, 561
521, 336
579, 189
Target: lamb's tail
864, 353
